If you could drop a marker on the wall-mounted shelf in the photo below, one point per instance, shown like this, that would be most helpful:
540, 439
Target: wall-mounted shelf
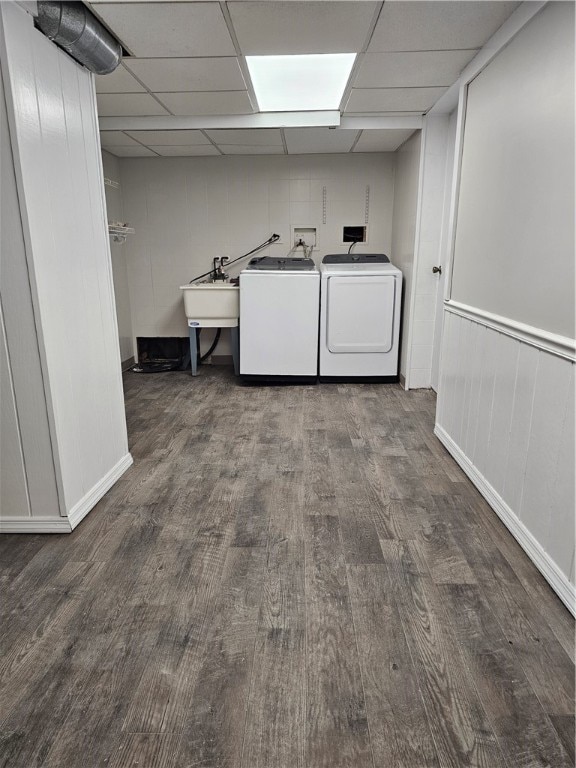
118, 232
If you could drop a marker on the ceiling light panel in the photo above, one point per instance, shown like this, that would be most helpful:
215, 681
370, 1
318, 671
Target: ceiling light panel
413, 69
128, 104
209, 103
204, 74
374, 100
300, 83
169, 29
301, 27
433, 26
302, 141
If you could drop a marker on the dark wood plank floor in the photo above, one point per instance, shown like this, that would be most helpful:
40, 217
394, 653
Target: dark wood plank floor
289, 577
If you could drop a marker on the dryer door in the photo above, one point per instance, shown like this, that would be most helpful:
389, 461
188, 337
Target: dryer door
360, 316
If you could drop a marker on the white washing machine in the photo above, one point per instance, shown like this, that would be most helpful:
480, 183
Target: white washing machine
361, 298
279, 313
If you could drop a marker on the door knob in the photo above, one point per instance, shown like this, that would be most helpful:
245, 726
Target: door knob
437, 270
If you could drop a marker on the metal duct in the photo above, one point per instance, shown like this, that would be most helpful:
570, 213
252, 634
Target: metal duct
71, 26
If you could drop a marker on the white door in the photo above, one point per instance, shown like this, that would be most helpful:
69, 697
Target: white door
444, 261
438, 327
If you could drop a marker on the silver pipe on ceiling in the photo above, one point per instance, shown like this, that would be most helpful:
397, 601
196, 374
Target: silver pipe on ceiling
75, 29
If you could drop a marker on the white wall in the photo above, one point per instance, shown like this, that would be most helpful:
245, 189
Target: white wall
54, 139
13, 485
507, 390
506, 413
115, 212
27, 488
515, 217
188, 210
406, 186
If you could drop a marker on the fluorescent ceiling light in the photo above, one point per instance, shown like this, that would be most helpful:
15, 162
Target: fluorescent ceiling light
299, 83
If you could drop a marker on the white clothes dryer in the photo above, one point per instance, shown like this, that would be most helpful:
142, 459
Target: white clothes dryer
360, 312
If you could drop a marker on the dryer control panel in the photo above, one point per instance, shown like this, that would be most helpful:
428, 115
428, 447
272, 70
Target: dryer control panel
356, 258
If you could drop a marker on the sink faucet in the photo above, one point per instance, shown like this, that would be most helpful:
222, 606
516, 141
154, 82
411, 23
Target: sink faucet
218, 271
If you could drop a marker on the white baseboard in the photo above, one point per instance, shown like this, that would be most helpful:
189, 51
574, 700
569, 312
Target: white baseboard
66, 524
82, 507
35, 525
541, 559
127, 364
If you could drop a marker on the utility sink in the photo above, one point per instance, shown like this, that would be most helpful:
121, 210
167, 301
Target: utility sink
212, 305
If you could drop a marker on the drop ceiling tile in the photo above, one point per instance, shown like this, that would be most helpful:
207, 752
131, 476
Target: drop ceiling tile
120, 104
131, 152
303, 141
169, 29
170, 138
409, 70
116, 139
210, 103
376, 140
365, 100
195, 150
119, 81
246, 137
301, 27
434, 26
207, 74
251, 149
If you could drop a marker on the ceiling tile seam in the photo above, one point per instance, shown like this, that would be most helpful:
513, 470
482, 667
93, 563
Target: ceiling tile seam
210, 90
283, 135
422, 50
360, 57
148, 91
205, 134
161, 104
240, 56
184, 93
179, 58
395, 112
356, 140
133, 139
103, 93
399, 87
373, 23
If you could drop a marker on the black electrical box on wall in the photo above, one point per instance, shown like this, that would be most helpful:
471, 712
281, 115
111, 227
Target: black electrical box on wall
354, 235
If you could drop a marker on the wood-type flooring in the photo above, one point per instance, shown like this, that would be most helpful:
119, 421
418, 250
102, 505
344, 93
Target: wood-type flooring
288, 577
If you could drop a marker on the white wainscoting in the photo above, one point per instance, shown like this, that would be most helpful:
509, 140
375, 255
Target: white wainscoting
506, 414
68, 296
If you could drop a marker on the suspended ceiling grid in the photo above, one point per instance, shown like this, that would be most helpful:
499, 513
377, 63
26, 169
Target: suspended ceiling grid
187, 59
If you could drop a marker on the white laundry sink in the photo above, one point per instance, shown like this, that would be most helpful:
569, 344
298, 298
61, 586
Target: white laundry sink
212, 305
